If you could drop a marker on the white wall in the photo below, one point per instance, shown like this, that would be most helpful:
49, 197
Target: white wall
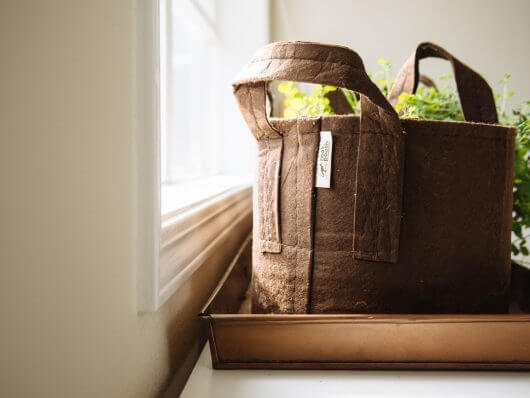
243, 28
68, 311
491, 36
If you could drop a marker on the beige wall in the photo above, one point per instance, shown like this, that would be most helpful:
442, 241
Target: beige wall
491, 36
69, 321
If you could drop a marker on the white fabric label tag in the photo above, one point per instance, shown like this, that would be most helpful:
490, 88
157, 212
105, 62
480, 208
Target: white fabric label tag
325, 150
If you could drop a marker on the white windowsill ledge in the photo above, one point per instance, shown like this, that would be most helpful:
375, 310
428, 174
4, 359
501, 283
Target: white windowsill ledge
188, 236
177, 197
207, 382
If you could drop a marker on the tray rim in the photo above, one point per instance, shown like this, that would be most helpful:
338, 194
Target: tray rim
423, 366
370, 318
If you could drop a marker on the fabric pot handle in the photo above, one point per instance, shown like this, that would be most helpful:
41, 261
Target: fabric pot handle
380, 163
476, 97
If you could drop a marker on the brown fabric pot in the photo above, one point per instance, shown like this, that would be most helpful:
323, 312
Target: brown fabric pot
418, 216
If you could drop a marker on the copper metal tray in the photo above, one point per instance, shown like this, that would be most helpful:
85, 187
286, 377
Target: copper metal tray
241, 340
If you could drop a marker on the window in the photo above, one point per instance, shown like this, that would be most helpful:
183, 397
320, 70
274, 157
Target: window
194, 150
201, 155
188, 69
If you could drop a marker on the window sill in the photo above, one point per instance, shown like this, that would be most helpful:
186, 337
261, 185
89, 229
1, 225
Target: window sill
207, 382
190, 235
176, 198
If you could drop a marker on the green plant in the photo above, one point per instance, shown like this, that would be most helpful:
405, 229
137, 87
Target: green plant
298, 103
430, 103
436, 104
521, 184
382, 76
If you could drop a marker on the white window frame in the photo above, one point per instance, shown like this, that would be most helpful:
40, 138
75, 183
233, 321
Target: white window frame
169, 248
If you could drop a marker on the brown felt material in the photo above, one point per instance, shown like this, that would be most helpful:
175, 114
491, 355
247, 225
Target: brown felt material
266, 195
413, 223
478, 103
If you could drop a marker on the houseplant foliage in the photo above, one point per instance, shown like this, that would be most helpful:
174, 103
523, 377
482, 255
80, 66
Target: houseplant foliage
435, 104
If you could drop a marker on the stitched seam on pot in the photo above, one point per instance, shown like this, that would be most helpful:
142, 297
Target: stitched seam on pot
268, 193
262, 197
